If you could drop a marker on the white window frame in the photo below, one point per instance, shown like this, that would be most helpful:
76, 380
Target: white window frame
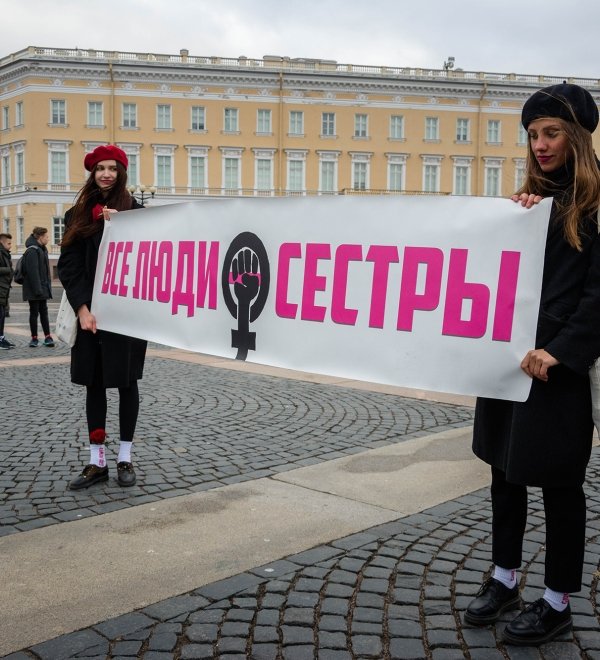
163, 154
127, 110
6, 170
228, 157
432, 166
19, 166
328, 124
397, 127
164, 117
493, 177
55, 148
231, 120
361, 125
396, 162
92, 114
296, 122
19, 115
463, 130
200, 186
5, 117
463, 168
58, 111
494, 131
432, 129
328, 160
520, 170
360, 171
198, 118
522, 136
264, 124
263, 163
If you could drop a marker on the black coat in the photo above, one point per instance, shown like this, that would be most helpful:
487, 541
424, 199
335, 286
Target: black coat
120, 358
6, 275
547, 439
37, 284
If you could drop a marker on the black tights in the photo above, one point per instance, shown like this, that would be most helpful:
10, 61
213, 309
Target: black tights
129, 405
38, 307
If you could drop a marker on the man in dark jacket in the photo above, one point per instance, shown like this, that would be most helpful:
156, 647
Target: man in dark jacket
6, 275
37, 284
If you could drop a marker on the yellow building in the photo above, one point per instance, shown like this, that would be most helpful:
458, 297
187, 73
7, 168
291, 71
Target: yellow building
199, 126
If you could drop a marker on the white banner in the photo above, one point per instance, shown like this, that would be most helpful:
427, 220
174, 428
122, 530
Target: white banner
435, 293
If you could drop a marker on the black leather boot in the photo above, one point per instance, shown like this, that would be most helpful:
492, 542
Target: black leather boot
492, 599
537, 624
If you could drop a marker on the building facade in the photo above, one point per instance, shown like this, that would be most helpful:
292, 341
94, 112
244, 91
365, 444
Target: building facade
194, 127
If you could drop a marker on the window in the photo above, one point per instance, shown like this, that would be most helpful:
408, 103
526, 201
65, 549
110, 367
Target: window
19, 113
296, 122
231, 173
328, 124
432, 128
493, 131
431, 178
5, 171
58, 167
263, 121
20, 231
163, 117
19, 168
360, 126
328, 176
230, 120
95, 115
198, 118
5, 117
133, 176
396, 176
58, 112
397, 127
493, 178
129, 115
264, 174
58, 229
296, 175
198, 172
462, 130
519, 172
164, 171
6, 225
461, 180
522, 136
359, 175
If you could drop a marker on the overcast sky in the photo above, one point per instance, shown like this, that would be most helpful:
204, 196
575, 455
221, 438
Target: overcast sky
551, 37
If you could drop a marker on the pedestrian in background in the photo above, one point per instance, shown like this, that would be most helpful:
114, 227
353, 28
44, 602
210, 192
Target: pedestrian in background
37, 285
546, 441
6, 275
100, 359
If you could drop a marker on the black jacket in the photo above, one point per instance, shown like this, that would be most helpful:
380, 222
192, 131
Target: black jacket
6, 275
547, 439
105, 357
36, 268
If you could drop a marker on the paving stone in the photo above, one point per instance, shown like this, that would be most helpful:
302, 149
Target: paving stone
196, 652
67, 646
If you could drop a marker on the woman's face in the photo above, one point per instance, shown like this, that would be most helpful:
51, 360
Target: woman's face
105, 174
549, 143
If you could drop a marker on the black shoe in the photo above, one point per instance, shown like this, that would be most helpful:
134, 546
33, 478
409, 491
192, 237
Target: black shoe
125, 474
537, 624
492, 599
92, 474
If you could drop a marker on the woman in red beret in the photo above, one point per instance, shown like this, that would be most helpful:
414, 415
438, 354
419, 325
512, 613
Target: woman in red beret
546, 441
100, 359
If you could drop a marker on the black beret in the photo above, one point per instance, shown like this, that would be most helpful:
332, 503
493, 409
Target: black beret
564, 101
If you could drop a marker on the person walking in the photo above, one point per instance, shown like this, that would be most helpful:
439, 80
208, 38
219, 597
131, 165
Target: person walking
6, 275
37, 287
546, 441
100, 359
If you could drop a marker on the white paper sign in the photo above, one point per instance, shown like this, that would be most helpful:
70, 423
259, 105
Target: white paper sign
436, 293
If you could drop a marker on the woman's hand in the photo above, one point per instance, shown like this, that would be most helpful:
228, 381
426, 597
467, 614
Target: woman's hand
87, 320
527, 199
106, 212
537, 362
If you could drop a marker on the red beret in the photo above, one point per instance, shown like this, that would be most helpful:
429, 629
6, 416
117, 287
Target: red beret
105, 152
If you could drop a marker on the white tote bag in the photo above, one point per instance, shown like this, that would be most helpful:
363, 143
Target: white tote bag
66, 322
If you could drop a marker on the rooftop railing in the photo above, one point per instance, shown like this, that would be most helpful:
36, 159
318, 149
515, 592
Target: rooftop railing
283, 64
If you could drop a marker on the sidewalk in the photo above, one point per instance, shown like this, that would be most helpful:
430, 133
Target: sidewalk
277, 515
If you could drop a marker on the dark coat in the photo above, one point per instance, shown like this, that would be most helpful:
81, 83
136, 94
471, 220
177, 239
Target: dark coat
6, 275
120, 358
37, 284
547, 440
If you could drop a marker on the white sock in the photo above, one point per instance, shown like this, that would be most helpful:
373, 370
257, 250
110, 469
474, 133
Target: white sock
97, 455
124, 452
508, 576
557, 599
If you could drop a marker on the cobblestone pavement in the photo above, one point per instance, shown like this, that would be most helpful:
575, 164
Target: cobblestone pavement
397, 590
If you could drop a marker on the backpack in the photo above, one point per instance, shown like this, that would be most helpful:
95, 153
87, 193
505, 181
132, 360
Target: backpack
19, 274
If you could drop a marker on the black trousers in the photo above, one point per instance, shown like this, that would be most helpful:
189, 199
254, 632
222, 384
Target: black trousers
2, 317
38, 307
565, 510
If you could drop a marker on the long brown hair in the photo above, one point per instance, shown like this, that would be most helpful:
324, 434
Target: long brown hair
583, 199
81, 224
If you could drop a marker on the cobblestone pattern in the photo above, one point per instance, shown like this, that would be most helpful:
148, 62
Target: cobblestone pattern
395, 591
199, 428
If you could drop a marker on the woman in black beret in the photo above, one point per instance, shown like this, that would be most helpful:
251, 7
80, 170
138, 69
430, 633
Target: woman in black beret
546, 441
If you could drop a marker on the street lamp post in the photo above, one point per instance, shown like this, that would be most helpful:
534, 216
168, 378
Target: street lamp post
141, 192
